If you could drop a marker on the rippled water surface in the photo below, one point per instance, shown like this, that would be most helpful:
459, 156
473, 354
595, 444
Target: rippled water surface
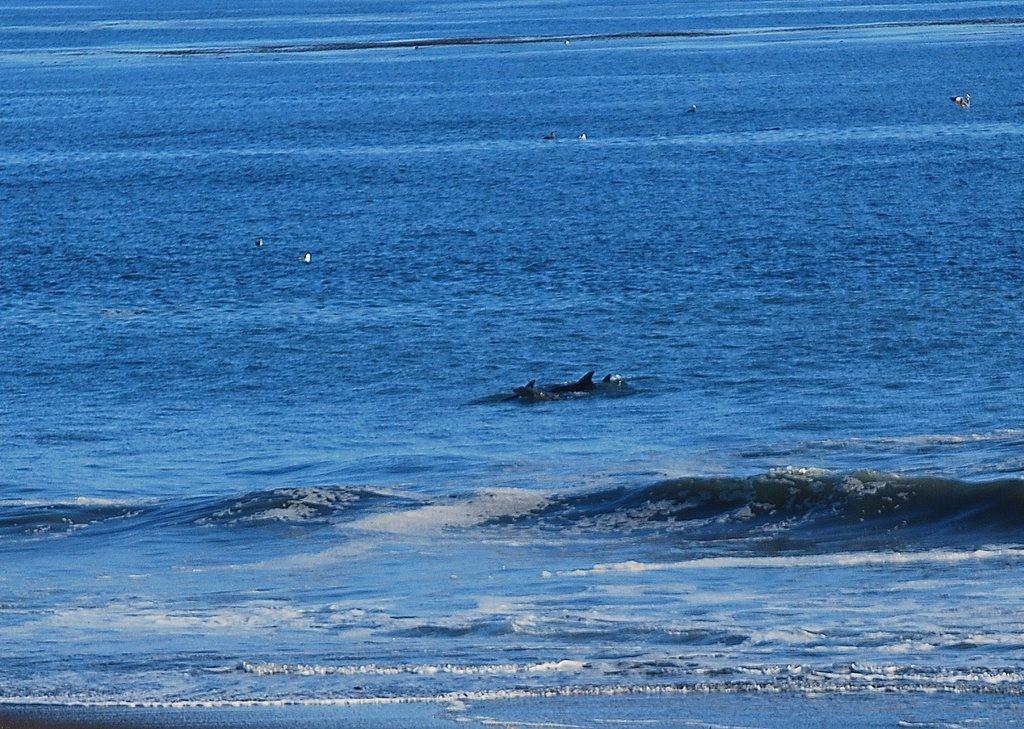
229, 476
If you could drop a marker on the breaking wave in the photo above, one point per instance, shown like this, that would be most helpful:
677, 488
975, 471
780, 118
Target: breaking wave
294, 506
841, 678
794, 509
52, 518
800, 503
313, 506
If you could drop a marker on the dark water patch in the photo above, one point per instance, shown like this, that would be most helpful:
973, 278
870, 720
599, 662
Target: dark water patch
480, 627
68, 437
277, 471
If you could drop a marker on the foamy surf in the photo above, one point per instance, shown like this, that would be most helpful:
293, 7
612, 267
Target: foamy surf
793, 680
818, 561
474, 510
505, 669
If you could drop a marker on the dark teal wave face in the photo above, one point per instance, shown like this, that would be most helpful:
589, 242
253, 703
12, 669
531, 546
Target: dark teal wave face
818, 268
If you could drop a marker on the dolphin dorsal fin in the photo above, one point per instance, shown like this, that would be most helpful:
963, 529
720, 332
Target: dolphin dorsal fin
587, 378
607, 378
530, 384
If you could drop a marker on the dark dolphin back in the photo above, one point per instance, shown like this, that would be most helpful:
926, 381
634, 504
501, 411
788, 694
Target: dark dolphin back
583, 384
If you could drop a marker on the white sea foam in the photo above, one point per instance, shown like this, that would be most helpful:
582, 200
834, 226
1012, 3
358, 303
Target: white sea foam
443, 698
342, 553
284, 505
373, 669
926, 439
795, 636
845, 559
785, 680
141, 616
85, 501
480, 508
895, 443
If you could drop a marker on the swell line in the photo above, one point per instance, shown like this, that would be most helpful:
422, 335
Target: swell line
575, 38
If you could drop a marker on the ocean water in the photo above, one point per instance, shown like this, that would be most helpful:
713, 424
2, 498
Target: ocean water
231, 478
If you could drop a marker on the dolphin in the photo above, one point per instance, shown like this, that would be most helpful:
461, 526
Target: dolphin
531, 393
583, 384
964, 102
611, 385
615, 385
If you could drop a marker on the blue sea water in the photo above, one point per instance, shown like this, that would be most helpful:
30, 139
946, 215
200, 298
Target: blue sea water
231, 477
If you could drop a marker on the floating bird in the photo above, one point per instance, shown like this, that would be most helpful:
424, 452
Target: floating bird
549, 136
692, 109
582, 137
964, 102
567, 43
307, 258
259, 242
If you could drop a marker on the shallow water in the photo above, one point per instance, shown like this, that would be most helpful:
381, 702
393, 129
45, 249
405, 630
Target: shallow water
229, 476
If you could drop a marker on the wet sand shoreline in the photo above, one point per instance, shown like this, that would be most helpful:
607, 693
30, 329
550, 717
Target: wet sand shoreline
776, 711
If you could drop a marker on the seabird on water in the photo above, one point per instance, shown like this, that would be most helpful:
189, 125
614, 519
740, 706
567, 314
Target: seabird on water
259, 242
307, 258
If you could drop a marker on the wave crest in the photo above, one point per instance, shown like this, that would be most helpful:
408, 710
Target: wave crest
291, 505
312, 506
798, 502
